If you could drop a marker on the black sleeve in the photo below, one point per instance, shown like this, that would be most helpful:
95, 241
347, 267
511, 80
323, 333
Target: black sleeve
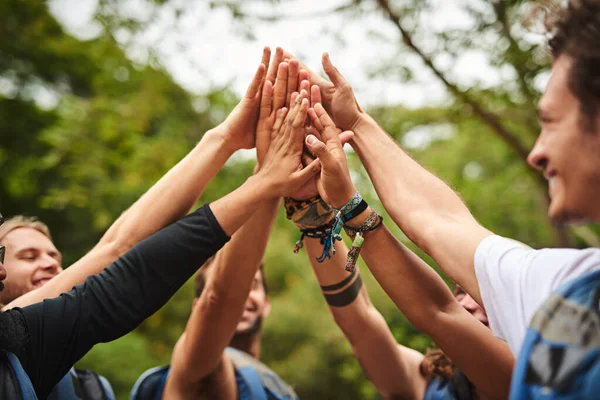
109, 305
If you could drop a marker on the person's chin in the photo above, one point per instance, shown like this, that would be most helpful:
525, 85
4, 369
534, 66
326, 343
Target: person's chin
561, 213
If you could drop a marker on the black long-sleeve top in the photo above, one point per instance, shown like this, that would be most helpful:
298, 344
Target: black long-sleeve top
109, 305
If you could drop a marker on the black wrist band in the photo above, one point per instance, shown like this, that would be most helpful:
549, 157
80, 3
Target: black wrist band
338, 285
345, 297
362, 206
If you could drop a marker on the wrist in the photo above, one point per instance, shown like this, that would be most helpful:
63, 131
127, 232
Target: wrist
344, 197
360, 218
264, 185
220, 134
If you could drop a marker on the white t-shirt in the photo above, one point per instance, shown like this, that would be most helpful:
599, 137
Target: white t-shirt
514, 281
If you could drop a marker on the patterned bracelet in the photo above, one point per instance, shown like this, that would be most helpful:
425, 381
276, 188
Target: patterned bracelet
345, 213
308, 214
357, 235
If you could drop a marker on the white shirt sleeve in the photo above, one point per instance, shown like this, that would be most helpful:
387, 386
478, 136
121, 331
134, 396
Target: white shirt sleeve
514, 280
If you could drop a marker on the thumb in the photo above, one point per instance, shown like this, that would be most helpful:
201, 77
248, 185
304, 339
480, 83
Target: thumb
301, 177
319, 149
346, 136
332, 72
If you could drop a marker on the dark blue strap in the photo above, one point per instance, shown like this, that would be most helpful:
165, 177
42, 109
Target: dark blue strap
253, 388
253, 382
439, 389
65, 389
151, 384
25, 384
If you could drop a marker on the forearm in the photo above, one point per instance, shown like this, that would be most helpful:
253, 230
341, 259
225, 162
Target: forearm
219, 309
392, 369
112, 303
173, 195
167, 201
409, 281
427, 210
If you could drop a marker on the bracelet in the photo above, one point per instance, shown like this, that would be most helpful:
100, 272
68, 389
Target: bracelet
320, 232
345, 213
372, 222
308, 214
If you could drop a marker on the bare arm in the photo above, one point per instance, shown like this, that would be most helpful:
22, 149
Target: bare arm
427, 210
393, 369
218, 310
423, 297
424, 207
416, 289
169, 199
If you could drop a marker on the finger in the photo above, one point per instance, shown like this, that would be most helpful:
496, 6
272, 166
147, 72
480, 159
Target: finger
280, 86
303, 75
315, 95
256, 82
294, 98
332, 72
289, 120
305, 85
266, 100
320, 150
315, 120
280, 117
329, 130
266, 57
346, 136
301, 177
292, 82
272, 74
300, 117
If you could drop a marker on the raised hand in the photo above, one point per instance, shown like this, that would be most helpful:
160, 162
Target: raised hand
281, 82
333, 183
240, 126
282, 166
338, 96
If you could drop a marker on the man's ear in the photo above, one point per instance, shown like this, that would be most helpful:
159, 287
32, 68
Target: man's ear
267, 308
194, 302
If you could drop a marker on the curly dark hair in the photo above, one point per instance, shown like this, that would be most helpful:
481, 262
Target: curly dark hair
575, 31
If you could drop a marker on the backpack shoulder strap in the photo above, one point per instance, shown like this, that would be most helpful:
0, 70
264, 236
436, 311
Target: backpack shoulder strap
151, 384
254, 389
94, 386
27, 391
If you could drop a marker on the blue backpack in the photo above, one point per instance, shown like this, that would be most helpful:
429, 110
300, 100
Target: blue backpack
254, 381
560, 357
76, 385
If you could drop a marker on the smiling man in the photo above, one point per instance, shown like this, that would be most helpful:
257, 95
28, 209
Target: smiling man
31, 258
544, 302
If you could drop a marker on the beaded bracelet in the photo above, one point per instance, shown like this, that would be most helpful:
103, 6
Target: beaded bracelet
316, 233
357, 235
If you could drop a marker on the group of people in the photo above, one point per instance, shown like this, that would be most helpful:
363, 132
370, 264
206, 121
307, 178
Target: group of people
519, 322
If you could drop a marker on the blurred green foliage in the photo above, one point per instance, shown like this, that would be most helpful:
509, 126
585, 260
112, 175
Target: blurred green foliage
113, 127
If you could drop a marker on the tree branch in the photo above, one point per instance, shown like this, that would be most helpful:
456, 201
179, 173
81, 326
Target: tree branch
560, 232
490, 119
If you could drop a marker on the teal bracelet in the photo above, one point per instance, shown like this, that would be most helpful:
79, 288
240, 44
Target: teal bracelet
342, 215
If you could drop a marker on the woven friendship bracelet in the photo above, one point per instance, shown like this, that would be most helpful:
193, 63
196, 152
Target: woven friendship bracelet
345, 213
372, 222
